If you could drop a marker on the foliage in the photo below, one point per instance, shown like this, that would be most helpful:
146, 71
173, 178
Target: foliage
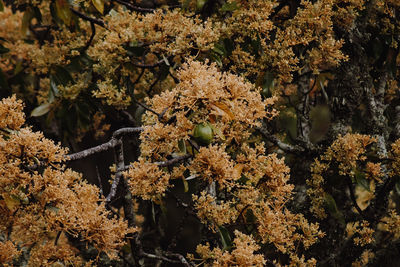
244, 133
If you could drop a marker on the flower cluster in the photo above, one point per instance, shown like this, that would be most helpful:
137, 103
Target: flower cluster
346, 154
211, 115
40, 197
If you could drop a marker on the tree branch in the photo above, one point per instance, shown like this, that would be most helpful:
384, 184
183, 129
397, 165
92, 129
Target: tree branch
92, 20
103, 147
135, 8
353, 196
285, 147
168, 162
148, 66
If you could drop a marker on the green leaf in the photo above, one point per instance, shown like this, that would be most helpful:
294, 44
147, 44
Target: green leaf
182, 146
41, 110
63, 11
228, 7
99, 5
200, 4
185, 185
3, 49
26, 20
186, 4
225, 238
1, 5
61, 75
332, 208
219, 49
18, 68
360, 180
217, 131
54, 89
397, 187
53, 13
216, 58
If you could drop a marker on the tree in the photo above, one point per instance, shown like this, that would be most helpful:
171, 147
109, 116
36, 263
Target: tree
232, 133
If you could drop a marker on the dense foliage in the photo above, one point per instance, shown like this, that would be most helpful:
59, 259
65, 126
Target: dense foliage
207, 132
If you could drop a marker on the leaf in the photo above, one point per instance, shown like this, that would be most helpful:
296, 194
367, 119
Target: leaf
26, 20
61, 75
217, 131
153, 212
63, 11
41, 110
223, 110
11, 202
360, 180
217, 58
186, 4
332, 208
3, 49
1, 5
185, 184
99, 5
182, 146
18, 68
166, 60
237, 171
227, 7
54, 90
219, 48
200, 4
225, 238
397, 187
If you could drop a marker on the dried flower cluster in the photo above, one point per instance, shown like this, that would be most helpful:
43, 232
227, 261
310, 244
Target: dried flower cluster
41, 198
249, 113
253, 182
345, 155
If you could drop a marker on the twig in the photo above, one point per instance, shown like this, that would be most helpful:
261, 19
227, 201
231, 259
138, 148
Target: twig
126, 130
93, 150
173, 161
353, 197
92, 20
99, 180
118, 175
135, 8
194, 145
157, 257
146, 107
285, 147
91, 36
138, 78
57, 237
148, 66
103, 147
168, 162
181, 258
